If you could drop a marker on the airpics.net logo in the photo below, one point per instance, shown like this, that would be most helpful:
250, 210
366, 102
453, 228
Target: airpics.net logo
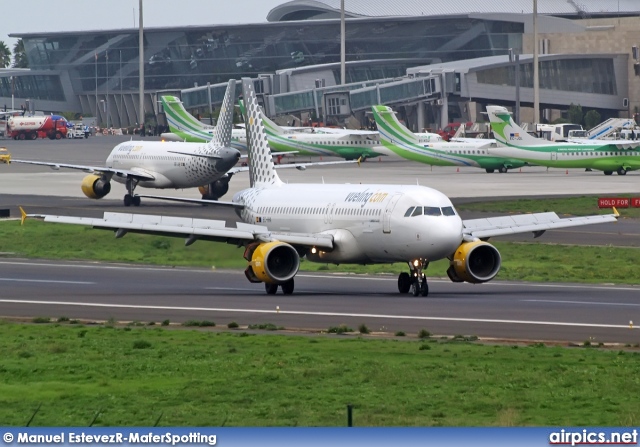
515, 136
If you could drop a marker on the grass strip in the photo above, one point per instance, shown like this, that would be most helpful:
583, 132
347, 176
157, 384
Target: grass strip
201, 378
573, 206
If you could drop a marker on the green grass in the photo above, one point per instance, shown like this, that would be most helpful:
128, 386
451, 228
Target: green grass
574, 206
534, 261
203, 378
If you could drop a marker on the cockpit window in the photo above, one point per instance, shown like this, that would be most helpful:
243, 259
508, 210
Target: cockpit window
417, 211
432, 211
448, 211
409, 211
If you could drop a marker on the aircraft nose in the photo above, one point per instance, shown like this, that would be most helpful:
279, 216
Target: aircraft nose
446, 235
228, 158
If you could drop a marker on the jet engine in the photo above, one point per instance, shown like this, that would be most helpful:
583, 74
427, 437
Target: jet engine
95, 187
475, 262
271, 262
215, 190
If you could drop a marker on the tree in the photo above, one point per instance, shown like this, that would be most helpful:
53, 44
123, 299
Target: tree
575, 114
5, 55
20, 55
591, 119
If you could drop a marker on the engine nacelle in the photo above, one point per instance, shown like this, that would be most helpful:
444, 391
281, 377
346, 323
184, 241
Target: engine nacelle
95, 187
475, 262
271, 262
215, 190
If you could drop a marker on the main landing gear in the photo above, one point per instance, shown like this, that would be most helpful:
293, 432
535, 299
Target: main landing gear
129, 198
287, 287
501, 170
414, 281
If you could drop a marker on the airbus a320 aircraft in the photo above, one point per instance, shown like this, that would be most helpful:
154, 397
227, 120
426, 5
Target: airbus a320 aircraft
349, 223
480, 153
156, 164
608, 157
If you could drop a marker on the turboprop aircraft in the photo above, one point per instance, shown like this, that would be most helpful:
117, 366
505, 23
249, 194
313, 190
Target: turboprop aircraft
185, 127
345, 143
608, 157
348, 223
479, 153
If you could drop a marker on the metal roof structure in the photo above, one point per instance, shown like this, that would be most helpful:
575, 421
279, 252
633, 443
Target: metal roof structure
325, 9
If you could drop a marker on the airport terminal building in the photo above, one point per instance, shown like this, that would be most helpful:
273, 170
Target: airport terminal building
436, 61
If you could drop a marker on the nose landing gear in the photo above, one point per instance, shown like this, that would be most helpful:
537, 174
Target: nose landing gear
414, 281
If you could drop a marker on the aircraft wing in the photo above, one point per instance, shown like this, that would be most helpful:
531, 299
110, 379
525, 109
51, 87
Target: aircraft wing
298, 166
618, 144
190, 229
537, 223
198, 201
140, 175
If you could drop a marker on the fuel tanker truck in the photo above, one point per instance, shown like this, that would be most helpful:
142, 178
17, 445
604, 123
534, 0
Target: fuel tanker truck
53, 127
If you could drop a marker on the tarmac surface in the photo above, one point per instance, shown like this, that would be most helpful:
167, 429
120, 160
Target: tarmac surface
498, 309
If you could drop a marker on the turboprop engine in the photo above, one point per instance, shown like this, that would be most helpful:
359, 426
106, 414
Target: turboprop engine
271, 262
215, 190
95, 187
475, 262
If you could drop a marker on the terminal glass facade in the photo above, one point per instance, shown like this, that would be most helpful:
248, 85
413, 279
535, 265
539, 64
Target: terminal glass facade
179, 58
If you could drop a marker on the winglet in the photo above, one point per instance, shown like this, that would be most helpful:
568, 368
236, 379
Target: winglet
615, 212
359, 160
23, 216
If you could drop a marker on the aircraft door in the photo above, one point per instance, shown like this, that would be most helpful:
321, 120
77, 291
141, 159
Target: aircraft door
554, 156
386, 218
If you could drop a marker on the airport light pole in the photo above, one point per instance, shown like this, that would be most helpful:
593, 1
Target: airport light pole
536, 74
141, 65
106, 61
342, 45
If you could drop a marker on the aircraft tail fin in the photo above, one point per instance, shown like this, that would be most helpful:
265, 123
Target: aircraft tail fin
507, 132
222, 133
271, 127
262, 172
178, 118
390, 128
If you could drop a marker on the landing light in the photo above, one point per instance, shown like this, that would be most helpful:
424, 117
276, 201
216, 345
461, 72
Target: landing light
314, 250
416, 262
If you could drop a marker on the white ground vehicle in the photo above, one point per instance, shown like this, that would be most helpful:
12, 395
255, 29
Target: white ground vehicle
78, 131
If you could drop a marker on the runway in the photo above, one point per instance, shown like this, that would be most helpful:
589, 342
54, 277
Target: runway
598, 313
497, 309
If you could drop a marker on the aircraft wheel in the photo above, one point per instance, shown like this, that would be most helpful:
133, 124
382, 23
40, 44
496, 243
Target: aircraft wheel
404, 282
128, 200
502, 170
621, 171
271, 289
608, 172
135, 200
489, 171
415, 288
287, 287
424, 287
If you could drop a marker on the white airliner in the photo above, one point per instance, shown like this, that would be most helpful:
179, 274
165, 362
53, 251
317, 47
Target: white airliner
348, 223
156, 164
